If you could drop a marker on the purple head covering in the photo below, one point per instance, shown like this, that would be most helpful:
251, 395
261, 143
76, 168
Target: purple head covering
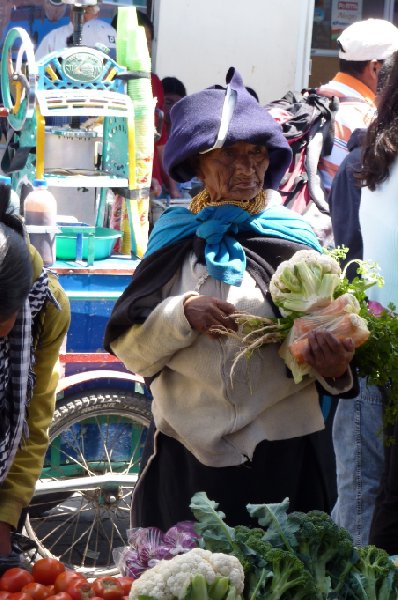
196, 127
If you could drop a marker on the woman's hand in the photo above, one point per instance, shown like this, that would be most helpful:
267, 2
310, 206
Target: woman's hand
326, 354
206, 312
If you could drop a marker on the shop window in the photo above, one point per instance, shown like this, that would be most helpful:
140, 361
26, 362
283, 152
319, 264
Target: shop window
332, 16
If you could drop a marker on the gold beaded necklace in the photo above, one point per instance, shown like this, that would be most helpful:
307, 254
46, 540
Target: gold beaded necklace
202, 200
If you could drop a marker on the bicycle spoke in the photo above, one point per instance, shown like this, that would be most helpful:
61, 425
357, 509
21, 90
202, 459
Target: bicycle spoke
83, 528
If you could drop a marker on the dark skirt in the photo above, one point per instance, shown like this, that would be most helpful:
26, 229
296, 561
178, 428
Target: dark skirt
296, 468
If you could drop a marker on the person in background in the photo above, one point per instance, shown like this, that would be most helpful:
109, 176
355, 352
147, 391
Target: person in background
378, 217
95, 31
357, 441
250, 439
173, 90
363, 46
34, 319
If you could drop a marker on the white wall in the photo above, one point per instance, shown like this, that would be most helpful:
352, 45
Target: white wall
268, 41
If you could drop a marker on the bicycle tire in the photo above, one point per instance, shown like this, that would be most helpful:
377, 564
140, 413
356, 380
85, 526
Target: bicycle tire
84, 527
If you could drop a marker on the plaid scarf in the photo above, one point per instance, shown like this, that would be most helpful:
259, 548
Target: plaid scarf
17, 377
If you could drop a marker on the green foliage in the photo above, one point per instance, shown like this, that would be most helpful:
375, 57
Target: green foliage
300, 556
326, 550
216, 534
289, 577
373, 576
273, 517
377, 359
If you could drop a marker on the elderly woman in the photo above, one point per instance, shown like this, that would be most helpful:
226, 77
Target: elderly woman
249, 439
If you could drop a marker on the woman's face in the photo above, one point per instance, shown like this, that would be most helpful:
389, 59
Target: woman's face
7, 324
235, 172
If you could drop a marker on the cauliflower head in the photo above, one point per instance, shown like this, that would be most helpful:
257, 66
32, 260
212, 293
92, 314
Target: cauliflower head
169, 579
305, 282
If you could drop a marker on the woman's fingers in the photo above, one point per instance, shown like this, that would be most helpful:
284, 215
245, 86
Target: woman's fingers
206, 313
328, 355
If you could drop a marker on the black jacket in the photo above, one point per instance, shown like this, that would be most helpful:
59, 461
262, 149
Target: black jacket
345, 199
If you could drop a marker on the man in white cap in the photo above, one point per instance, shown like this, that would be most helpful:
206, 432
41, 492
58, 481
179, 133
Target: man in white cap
363, 46
95, 31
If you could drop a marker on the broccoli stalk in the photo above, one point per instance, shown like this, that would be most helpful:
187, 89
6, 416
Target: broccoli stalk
325, 548
373, 576
289, 579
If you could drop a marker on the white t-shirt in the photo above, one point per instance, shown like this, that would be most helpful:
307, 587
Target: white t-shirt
378, 217
94, 32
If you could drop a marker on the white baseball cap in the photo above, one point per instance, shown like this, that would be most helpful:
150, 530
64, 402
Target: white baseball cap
368, 40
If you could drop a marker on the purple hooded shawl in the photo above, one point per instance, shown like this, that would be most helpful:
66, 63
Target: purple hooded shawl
195, 123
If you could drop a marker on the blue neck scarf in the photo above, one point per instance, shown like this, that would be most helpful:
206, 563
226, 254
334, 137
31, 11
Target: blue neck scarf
217, 225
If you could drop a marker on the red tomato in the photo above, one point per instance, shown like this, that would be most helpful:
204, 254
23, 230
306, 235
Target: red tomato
37, 591
65, 578
126, 583
108, 588
4, 595
19, 596
14, 579
79, 589
46, 570
60, 596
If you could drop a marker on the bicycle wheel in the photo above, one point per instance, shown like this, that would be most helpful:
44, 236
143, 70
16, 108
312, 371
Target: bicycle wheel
92, 438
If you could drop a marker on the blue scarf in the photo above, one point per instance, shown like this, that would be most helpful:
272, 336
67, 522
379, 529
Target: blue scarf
225, 257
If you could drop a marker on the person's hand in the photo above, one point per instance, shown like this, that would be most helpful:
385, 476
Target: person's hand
326, 354
5, 539
156, 188
206, 312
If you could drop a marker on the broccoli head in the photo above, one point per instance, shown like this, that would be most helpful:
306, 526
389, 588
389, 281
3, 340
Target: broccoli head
288, 577
325, 548
373, 576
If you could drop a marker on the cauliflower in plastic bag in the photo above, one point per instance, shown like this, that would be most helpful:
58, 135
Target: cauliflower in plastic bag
305, 283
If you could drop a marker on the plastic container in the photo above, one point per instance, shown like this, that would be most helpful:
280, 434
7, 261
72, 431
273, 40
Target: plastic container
40, 212
102, 238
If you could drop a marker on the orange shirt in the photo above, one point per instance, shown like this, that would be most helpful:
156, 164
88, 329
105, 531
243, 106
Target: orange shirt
356, 110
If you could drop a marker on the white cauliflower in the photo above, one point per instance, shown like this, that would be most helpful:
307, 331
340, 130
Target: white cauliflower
305, 282
169, 579
228, 566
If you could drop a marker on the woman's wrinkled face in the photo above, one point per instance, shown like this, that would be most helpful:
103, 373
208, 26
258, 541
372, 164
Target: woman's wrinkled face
7, 324
235, 172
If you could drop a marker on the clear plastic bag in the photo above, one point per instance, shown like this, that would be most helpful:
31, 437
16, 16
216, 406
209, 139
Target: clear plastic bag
340, 318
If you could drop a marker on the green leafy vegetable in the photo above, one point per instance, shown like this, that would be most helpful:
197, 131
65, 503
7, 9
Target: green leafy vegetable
218, 536
310, 280
273, 517
300, 556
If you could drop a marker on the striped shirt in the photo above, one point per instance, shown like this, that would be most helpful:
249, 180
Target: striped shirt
355, 112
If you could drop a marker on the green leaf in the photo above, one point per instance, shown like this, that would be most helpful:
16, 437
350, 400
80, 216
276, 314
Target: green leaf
233, 594
219, 589
274, 519
197, 589
217, 535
